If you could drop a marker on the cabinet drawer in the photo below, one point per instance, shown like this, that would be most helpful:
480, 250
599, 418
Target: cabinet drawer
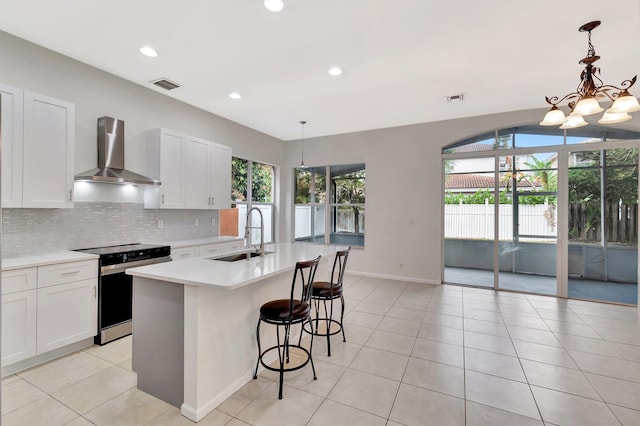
19, 280
184, 253
210, 249
62, 273
234, 245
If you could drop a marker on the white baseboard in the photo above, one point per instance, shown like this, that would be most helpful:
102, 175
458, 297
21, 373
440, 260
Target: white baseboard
394, 277
197, 414
45, 357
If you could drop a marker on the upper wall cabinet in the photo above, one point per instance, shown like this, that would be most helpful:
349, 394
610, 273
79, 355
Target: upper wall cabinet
38, 136
220, 160
11, 119
164, 162
195, 173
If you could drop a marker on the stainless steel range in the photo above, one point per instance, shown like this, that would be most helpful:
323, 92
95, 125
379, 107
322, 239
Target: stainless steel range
115, 287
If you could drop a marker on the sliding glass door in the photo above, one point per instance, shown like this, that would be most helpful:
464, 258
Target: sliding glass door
552, 214
603, 225
528, 223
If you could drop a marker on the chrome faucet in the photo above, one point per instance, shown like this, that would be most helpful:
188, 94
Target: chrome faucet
248, 227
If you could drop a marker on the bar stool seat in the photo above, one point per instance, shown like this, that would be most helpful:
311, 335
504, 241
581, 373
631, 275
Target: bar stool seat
284, 313
278, 310
325, 289
328, 291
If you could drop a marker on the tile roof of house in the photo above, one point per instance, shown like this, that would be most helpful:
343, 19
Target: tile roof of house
468, 181
472, 147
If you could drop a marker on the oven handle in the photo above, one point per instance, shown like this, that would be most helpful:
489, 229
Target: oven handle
121, 267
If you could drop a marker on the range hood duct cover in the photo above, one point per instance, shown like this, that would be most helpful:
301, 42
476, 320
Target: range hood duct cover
111, 157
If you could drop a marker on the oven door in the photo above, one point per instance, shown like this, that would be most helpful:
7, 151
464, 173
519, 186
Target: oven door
116, 292
115, 297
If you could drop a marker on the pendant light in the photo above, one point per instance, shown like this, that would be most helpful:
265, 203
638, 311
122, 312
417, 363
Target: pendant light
302, 165
585, 100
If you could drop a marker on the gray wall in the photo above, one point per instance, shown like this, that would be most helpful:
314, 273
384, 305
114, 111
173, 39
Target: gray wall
95, 94
404, 176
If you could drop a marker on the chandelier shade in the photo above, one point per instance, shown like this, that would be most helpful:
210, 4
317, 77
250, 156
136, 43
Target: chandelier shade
588, 106
590, 91
625, 103
573, 121
553, 117
614, 117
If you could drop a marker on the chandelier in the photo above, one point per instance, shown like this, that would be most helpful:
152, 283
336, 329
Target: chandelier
584, 101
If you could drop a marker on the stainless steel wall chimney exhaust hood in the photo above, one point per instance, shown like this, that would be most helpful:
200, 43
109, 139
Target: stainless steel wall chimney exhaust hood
111, 157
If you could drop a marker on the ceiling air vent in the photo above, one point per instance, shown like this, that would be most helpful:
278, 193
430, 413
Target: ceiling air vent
456, 98
165, 84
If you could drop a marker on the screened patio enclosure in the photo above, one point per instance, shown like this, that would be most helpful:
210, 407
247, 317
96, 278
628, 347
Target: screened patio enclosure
330, 204
543, 211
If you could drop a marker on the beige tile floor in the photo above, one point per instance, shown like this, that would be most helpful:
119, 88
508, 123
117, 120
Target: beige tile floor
415, 355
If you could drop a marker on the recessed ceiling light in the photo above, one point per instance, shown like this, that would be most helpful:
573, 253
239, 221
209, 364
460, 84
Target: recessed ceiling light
234, 95
335, 71
148, 51
274, 5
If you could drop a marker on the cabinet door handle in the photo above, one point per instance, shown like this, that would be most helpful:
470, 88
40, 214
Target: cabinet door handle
66, 274
213, 201
185, 254
94, 291
162, 200
71, 194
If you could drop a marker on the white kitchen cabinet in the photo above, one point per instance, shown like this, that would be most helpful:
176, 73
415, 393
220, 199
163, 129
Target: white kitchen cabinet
11, 118
18, 326
195, 173
165, 158
18, 314
209, 250
47, 307
220, 160
62, 273
184, 253
48, 152
233, 245
66, 314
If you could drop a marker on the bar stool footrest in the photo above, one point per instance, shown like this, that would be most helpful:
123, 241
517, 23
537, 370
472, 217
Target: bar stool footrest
324, 321
284, 369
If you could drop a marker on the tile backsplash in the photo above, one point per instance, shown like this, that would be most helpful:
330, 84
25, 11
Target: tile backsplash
93, 224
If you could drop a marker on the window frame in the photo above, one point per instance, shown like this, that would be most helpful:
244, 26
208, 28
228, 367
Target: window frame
330, 206
249, 203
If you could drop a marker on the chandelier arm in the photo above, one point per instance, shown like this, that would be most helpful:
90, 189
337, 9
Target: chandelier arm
554, 99
604, 90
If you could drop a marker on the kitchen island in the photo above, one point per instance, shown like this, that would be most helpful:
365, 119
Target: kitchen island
194, 322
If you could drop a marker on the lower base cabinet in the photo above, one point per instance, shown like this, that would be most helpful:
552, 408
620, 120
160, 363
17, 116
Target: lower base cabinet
18, 326
47, 307
66, 314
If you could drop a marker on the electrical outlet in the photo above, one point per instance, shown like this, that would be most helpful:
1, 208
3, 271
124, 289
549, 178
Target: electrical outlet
160, 223
196, 222
213, 221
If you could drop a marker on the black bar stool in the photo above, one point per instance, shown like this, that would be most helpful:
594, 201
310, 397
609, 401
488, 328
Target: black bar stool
285, 313
327, 292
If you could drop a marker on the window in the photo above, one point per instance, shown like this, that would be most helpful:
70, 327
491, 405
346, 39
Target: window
343, 211
253, 186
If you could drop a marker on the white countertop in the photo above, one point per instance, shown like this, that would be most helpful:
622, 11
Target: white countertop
9, 263
232, 275
201, 241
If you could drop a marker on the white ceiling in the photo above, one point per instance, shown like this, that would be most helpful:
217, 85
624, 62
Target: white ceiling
400, 58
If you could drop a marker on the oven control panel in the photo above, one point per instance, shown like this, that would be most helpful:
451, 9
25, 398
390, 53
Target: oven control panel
134, 255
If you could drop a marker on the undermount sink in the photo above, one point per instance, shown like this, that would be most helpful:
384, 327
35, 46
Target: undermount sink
240, 256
